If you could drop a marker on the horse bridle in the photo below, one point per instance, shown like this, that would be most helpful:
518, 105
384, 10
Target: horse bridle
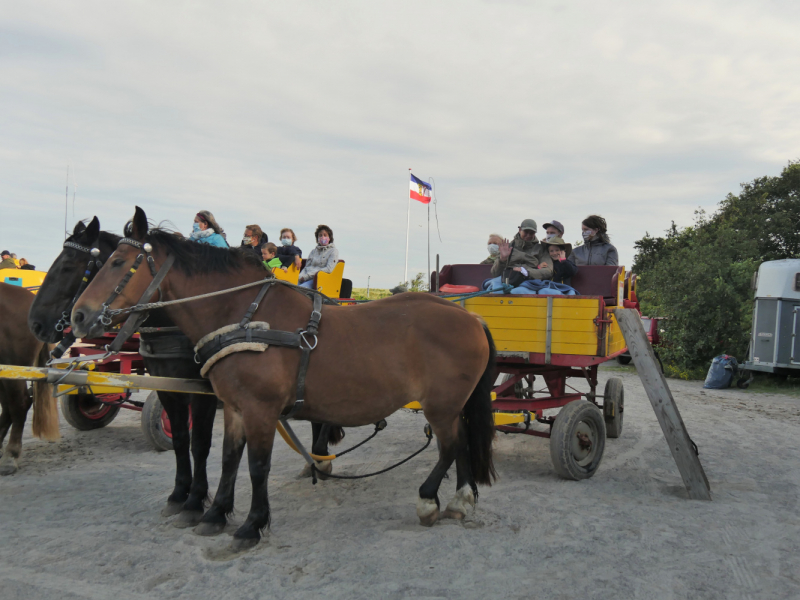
135, 320
94, 263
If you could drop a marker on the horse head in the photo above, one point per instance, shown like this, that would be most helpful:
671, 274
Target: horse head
118, 284
83, 253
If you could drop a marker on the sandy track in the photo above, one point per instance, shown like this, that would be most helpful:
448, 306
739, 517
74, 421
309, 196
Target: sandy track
81, 518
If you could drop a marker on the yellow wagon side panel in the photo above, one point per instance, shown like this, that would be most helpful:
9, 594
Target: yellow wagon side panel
615, 341
520, 324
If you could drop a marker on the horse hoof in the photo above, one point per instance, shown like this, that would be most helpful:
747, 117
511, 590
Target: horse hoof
427, 511
323, 468
458, 507
8, 470
188, 518
172, 508
242, 544
208, 529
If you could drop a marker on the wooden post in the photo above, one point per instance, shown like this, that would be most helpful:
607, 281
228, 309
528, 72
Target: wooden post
655, 384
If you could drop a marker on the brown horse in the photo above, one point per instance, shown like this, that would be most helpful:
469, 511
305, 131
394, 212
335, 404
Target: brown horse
368, 361
19, 347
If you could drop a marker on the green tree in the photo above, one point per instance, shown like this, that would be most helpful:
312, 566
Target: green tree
700, 277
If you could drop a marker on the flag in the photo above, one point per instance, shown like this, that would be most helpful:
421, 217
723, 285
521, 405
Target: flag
420, 190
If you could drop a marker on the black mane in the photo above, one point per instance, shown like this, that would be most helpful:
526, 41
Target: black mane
201, 259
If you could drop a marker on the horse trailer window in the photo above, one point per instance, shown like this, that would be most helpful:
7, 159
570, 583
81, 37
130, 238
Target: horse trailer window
797, 282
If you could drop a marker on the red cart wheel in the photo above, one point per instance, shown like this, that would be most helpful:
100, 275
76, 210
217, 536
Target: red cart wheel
85, 412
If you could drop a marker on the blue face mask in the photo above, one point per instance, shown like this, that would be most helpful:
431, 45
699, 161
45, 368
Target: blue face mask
286, 241
195, 227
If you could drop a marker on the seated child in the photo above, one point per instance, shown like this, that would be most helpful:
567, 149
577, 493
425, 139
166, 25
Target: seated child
288, 252
268, 253
563, 269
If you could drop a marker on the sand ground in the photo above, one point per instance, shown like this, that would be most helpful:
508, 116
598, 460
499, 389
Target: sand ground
81, 518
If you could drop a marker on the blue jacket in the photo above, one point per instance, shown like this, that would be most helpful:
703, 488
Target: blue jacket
214, 239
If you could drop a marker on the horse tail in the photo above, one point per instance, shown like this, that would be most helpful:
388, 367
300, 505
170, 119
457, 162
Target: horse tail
480, 420
336, 435
45, 407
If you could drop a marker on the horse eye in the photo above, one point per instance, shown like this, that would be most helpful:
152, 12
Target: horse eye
118, 262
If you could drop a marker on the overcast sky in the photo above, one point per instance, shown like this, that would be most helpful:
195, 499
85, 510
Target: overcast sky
299, 113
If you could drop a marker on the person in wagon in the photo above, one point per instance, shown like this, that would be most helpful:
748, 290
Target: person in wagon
270, 260
518, 260
25, 265
559, 252
553, 229
493, 246
253, 239
287, 251
206, 230
6, 262
323, 257
596, 248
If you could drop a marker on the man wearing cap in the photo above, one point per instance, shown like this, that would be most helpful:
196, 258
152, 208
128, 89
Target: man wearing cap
553, 229
6, 262
523, 254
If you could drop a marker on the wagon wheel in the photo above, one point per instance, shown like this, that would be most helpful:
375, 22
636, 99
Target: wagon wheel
577, 440
614, 406
624, 360
85, 412
155, 423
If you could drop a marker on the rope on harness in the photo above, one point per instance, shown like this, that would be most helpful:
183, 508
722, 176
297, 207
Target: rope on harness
428, 434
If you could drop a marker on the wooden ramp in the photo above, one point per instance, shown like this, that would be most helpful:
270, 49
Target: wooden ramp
669, 417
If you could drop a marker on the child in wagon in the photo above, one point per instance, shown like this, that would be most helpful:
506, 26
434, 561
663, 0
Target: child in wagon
270, 260
563, 269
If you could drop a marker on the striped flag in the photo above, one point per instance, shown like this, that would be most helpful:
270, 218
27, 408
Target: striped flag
420, 190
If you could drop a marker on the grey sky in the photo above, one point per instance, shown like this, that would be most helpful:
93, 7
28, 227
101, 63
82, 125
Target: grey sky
300, 113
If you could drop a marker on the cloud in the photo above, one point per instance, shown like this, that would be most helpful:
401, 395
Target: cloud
301, 113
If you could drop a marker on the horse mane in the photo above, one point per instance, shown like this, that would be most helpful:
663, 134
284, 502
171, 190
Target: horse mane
109, 238
198, 259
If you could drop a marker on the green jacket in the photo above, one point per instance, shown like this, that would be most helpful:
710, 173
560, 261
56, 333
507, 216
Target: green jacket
8, 264
528, 255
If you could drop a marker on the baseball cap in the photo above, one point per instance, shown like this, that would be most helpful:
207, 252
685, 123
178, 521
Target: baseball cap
556, 224
5, 253
528, 224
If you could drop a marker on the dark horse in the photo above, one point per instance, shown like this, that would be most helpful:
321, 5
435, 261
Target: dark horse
368, 361
169, 360
19, 347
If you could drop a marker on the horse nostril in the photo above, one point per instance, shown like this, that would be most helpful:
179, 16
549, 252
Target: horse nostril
79, 316
36, 328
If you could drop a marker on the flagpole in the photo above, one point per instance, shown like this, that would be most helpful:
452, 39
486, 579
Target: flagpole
429, 246
408, 231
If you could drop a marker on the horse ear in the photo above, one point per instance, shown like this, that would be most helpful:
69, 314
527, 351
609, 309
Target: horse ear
92, 232
139, 224
79, 228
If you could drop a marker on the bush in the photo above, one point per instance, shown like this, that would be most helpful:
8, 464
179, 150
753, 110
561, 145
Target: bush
700, 277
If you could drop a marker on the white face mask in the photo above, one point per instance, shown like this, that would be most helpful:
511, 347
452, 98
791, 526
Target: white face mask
286, 241
588, 234
246, 241
493, 249
550, 236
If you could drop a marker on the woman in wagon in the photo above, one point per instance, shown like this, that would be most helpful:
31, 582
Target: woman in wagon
287, 251
596, 248
323, 257
493, 246
206, 230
